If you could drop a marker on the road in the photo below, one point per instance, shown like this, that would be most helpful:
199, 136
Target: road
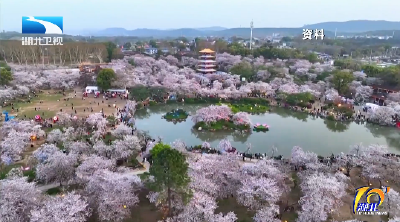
146, 165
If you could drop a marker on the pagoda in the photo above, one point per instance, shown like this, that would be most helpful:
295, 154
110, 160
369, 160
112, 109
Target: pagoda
206, 64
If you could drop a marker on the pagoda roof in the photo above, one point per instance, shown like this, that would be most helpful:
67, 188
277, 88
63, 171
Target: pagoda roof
206, 51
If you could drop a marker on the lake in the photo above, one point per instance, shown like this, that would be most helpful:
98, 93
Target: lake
287, 129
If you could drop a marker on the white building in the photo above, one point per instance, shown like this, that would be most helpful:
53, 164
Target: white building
91, 89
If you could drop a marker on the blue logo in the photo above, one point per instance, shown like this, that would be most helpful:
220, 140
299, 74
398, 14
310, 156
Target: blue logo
42, 25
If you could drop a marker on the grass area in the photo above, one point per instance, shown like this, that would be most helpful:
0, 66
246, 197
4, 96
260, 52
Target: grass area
220, 125
54, 191
248, 108
48, 103
5, 169
178, 114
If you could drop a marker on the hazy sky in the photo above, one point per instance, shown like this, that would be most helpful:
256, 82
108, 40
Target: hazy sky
162, 14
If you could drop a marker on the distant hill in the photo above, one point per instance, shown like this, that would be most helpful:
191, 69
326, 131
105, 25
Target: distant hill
214, 28
191, 33
356, 26
349, 28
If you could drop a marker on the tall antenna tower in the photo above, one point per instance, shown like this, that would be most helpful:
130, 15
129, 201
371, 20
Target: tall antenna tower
251, 33
335, 32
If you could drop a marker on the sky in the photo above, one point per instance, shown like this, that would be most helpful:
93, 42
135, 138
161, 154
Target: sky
161, 14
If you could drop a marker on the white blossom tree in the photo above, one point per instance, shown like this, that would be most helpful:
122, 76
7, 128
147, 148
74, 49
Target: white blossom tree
363, 94
70, 207
13, 145
59, 167
112, 194
93, 163
18, 198
382, 115
121, 130
261, 187
241, 118
392, 203
322, 195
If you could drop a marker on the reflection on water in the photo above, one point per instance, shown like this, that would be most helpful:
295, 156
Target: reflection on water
336, 126
287, 129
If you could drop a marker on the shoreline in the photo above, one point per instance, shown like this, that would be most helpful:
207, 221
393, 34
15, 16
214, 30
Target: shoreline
273, 103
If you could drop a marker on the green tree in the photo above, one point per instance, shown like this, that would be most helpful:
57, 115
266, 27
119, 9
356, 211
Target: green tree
170, 177
244, 69
140, 93
153, 43
105, 78
312, 57
341, 81
4, 65
5, 76
181, 46
127, 45
371, 70
132, 62
158, 148
110, 47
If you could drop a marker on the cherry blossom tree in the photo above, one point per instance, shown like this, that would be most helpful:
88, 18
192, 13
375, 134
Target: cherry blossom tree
102, 149
17, 125
299, 157
18, 198
93, 163
121, 130
15, 173
216, 175
212, 114
382, 115
127, 146
225, 145
55, 136
261, 186
331, 94
205, 145
392, 203
395, 219
78, 147
226, 61
179, 145
70, 207
59, 167
321, 194
289, 88
112, 194
267, 214
241, 118
171, 60
395, 97
363, 94
13, 145
43, 153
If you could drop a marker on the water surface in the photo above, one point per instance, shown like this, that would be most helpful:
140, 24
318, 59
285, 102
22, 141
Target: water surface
287, 129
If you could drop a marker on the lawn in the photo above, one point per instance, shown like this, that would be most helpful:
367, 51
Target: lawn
176, 115
248, 108
48, 103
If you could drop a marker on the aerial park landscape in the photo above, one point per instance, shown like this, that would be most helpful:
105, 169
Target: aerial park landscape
100, 155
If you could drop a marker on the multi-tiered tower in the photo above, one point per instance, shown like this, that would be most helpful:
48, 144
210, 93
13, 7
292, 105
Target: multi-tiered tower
206, 63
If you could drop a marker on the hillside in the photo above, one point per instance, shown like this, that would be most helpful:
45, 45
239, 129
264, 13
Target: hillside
356, 26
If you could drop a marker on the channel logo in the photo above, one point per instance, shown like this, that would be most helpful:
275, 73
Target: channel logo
42, 25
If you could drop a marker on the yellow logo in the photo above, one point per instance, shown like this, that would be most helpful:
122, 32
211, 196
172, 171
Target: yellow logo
367, 206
